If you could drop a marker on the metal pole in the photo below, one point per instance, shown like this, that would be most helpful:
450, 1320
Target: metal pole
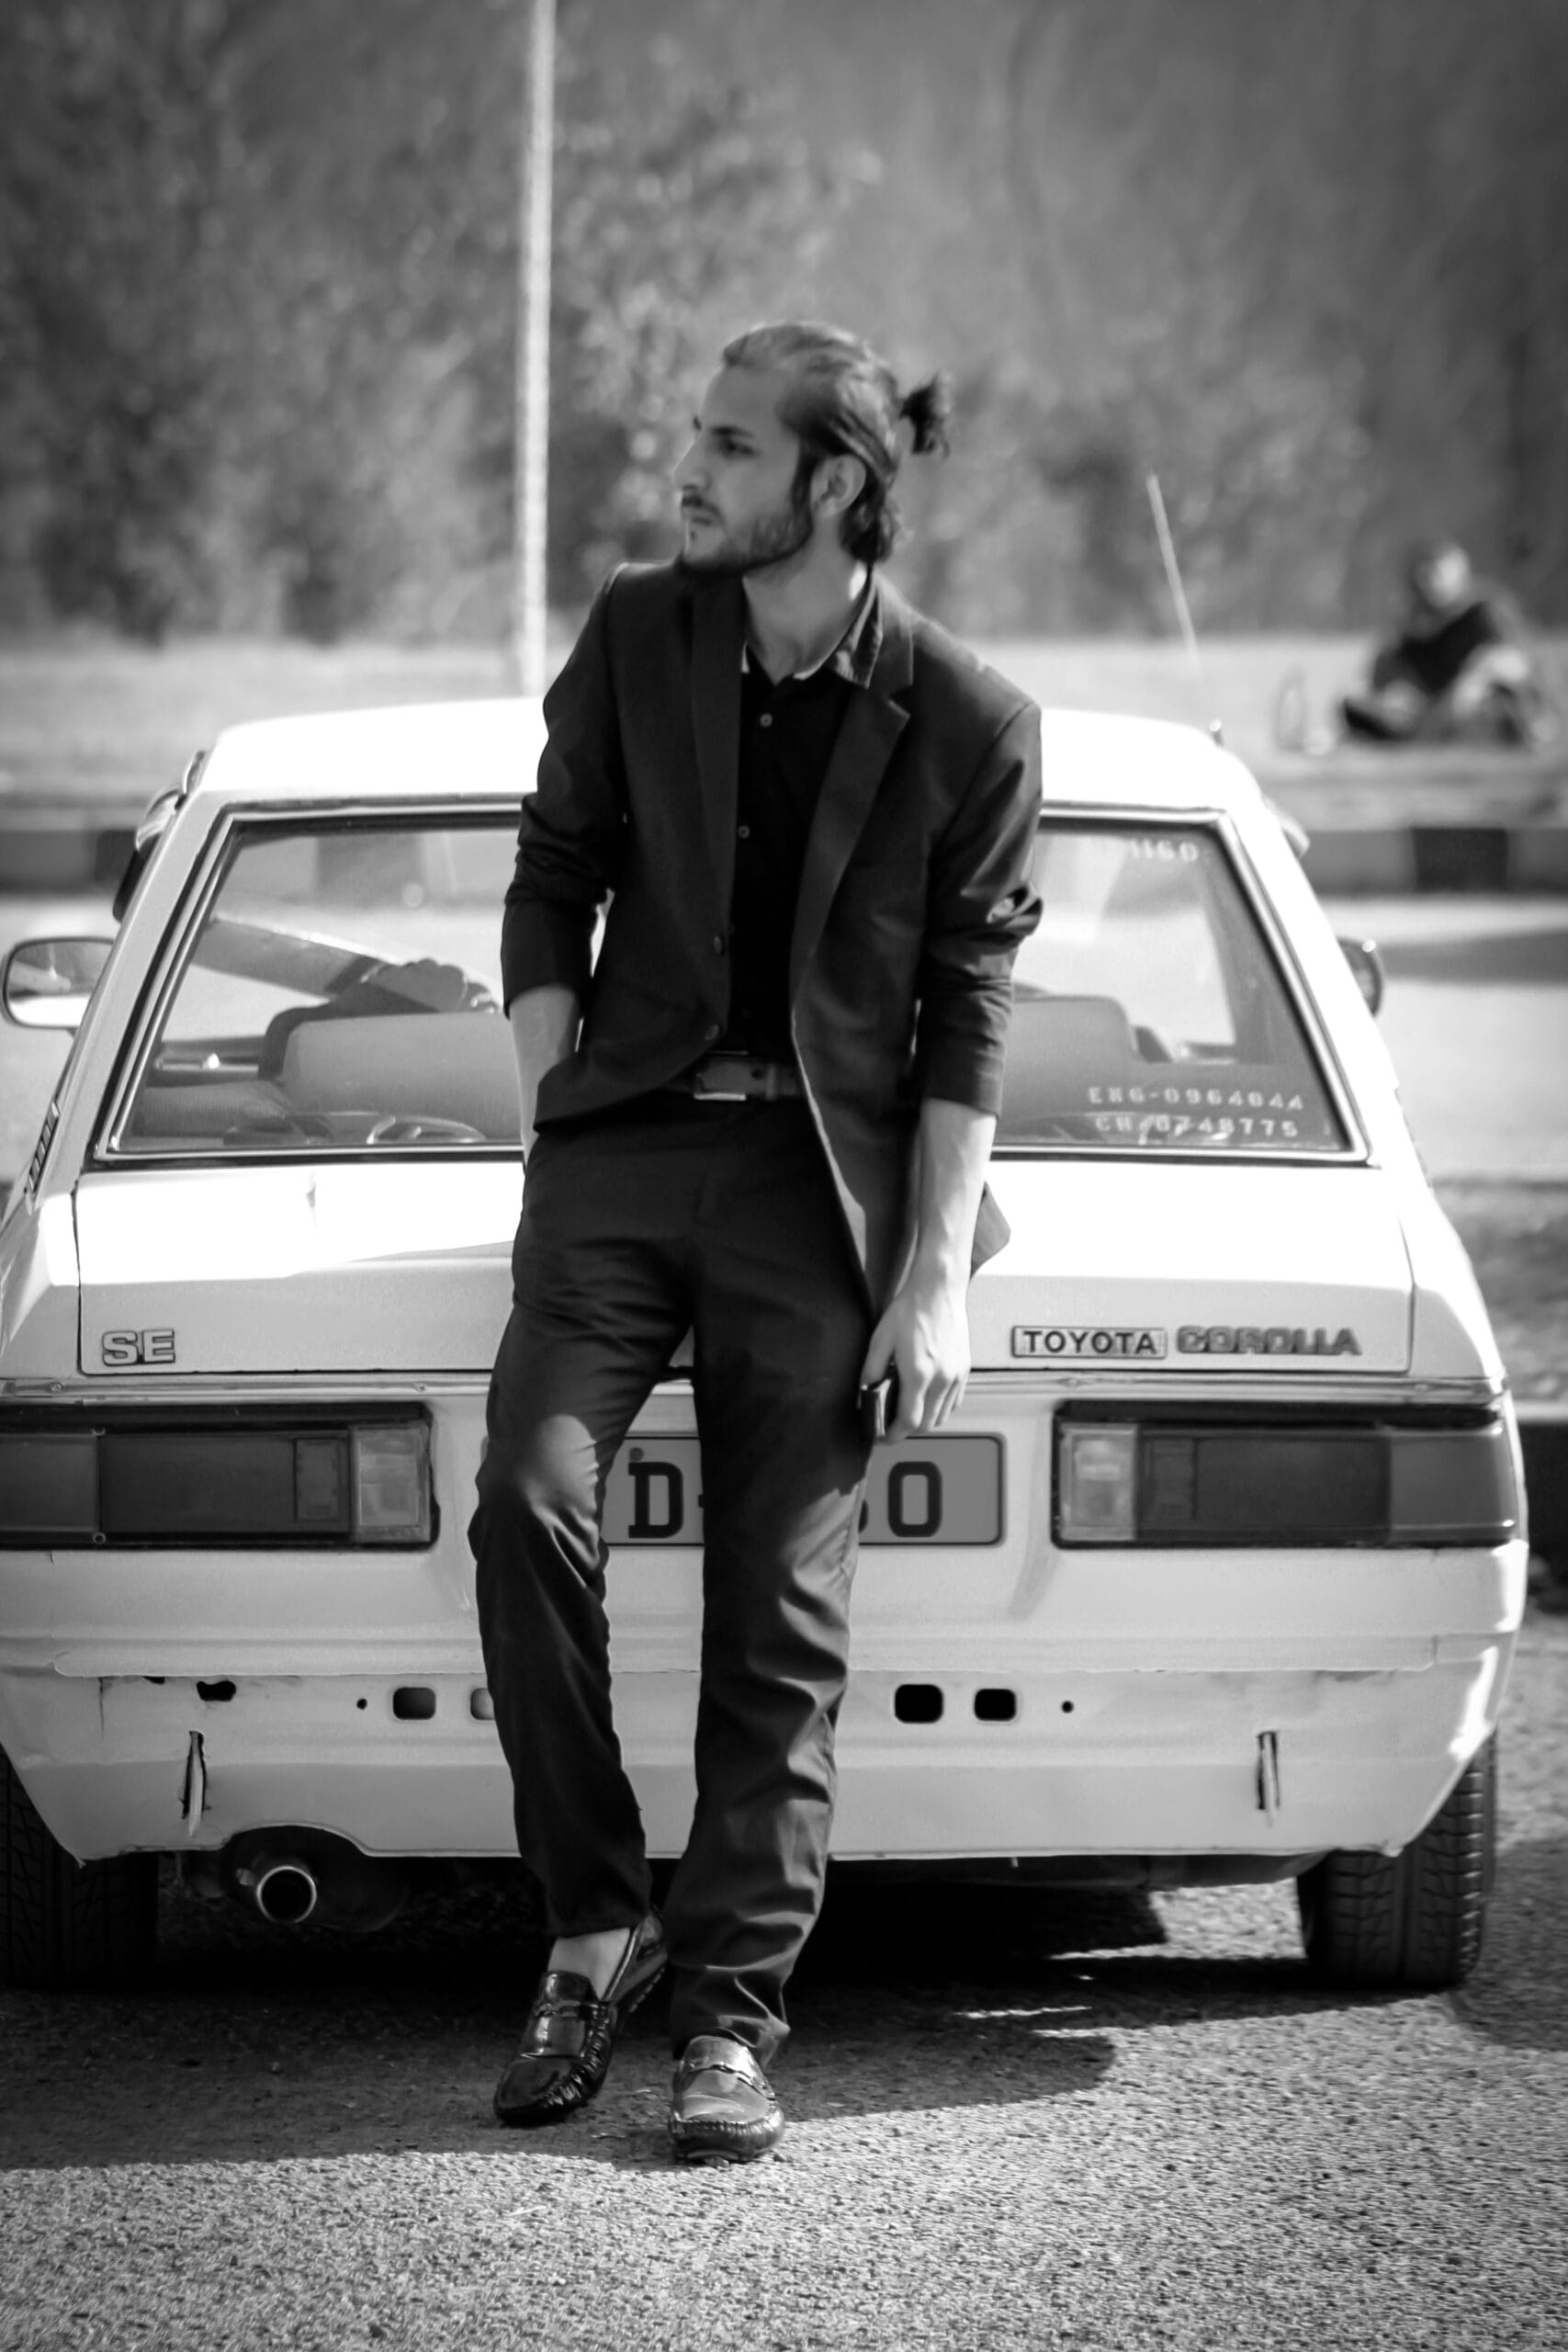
532, 435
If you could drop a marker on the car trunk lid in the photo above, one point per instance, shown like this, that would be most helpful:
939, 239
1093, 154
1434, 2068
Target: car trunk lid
1184, 1266
401, 1267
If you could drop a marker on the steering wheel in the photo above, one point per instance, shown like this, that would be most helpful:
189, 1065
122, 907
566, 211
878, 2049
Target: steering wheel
281, 1127
395, 1129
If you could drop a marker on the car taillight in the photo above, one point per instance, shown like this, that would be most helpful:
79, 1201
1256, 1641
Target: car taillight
128, 1480
391, 1485
1168, 1481
1097, 1485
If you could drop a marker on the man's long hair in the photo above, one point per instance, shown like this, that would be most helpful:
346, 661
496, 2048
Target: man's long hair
842, 400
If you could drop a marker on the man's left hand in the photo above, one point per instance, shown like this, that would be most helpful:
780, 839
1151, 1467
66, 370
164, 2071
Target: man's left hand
924, 1338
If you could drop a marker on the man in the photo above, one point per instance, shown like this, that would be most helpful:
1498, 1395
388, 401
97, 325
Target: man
1457, 667
764, 1115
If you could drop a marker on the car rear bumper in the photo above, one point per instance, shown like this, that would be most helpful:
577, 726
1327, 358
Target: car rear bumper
1238, 1739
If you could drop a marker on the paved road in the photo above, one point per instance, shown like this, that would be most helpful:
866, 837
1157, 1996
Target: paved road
1477, 1016
1108, 2126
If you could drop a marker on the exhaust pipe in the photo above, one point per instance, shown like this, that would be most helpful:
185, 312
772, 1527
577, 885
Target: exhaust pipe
290, 1876
282, 1886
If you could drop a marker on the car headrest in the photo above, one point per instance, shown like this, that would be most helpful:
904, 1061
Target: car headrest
1057, 1045
408, 1065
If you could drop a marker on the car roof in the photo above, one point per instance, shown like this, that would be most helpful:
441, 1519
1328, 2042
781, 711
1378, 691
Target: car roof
482, 750
467, 750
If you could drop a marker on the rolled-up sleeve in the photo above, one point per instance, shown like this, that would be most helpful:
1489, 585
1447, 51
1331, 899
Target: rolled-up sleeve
981, 907
571, 833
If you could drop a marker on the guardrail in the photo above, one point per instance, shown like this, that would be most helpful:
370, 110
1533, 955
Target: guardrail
52, 848
1393, 821
1426, 818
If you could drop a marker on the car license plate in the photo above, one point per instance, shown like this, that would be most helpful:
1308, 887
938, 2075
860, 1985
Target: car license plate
926, 1490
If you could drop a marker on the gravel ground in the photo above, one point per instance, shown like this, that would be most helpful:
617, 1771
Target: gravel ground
1085, 2123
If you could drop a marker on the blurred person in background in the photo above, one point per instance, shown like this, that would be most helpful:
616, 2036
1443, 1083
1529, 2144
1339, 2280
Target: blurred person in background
1458, 668
762, 1115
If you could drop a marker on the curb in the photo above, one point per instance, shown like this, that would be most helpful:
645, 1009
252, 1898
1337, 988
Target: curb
1401, 861
50, 850
1543, 1439
1375, 825
1445, 819
51, 853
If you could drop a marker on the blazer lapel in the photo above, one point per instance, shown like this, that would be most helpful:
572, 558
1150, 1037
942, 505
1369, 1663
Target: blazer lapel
718, 633
871, 726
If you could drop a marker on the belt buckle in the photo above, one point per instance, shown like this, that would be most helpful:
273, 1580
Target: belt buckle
706, 1094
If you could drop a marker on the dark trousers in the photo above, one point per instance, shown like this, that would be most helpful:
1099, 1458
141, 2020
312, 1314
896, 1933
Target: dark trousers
719, 1218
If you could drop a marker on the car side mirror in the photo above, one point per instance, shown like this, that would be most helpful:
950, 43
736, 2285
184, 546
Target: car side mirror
1367, 968
45, 983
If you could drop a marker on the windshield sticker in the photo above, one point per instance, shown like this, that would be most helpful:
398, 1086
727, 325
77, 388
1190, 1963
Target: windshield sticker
1163, 849
1256, 1339
1086, 1340
1195, 1098
1216, 1113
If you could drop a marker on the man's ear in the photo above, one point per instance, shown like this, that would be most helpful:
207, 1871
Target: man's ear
837, 483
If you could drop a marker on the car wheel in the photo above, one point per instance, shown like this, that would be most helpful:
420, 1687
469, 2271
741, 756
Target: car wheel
67, 1926
1412, 1919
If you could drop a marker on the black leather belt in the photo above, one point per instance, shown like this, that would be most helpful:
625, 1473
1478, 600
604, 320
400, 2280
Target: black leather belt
739, 1078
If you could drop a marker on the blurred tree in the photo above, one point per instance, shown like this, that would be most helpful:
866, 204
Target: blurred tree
663, 238
257, 287
113, 287
257, 270
370, 414
1299, 261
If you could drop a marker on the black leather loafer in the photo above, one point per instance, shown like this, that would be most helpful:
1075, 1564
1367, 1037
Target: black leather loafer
570, 2034
722, 2110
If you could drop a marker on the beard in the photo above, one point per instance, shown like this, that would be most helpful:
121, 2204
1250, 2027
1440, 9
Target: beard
767, 539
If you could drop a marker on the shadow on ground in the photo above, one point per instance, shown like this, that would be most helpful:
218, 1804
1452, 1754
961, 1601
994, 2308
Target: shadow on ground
1518, 1995
254, 2045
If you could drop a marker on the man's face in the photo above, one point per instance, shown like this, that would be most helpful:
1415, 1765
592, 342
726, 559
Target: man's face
1444, 577
743, 503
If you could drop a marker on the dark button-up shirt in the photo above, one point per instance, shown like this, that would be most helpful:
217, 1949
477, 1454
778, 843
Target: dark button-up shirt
787, 731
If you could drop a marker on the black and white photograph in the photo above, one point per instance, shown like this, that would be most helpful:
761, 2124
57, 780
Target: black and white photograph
784, 1175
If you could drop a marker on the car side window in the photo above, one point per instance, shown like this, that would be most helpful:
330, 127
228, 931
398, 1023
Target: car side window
337, 994
1149, 1012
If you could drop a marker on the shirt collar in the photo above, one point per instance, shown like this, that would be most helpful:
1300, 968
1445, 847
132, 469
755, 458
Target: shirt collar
854, 656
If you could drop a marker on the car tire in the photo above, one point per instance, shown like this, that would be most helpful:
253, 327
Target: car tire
68, 1927
1413, 1920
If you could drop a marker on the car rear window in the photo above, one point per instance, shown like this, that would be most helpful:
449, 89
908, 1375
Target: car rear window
1149, 1012
340, 992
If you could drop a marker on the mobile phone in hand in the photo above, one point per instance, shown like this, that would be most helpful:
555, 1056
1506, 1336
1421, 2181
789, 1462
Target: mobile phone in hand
878, 1406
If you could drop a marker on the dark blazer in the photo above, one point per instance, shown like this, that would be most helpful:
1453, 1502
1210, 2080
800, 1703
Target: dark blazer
914, 899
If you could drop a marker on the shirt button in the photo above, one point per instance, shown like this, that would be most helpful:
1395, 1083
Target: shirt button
743, 833
712, 1031
766, 719
718, 942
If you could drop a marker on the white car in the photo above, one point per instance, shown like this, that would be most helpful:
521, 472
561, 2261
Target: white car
1216, 1578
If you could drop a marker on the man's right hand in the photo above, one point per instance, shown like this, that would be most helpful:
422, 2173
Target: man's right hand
543, 1030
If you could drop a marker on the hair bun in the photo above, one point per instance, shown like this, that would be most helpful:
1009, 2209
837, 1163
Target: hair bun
928, 407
